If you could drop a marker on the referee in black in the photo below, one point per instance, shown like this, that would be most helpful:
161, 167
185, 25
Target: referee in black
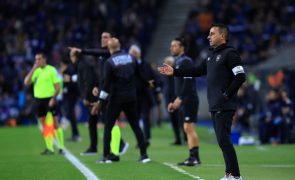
119, 89
225, 75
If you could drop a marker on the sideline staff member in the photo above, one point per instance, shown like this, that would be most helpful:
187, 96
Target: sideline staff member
119, 89
225, 75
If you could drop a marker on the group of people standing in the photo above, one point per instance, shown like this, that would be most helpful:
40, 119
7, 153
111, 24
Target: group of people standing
121, 77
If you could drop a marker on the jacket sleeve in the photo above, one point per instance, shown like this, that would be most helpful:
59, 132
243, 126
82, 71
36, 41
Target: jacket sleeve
195, 71
108, 76
235, 65
82, 81
187, 81
95, 52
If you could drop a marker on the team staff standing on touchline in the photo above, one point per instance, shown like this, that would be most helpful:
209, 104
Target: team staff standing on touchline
186, 100
119, 90
225, 75
119, 146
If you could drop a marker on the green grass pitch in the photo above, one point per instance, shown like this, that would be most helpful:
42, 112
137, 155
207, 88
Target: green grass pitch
20, 158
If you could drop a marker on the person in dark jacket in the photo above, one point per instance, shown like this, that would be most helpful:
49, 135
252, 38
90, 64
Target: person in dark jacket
169, 92
143, 91
119, 90
186, 100
225, 75
102, 54
87, 81
70, 96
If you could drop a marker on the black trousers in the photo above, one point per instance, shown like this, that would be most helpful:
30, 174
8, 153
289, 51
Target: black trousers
69, 111
130, 109
143, 109
176, 125
92, 127
222, 121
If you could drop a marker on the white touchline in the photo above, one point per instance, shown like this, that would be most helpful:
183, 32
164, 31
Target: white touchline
261, 148
80, 166
182, 171
75, 161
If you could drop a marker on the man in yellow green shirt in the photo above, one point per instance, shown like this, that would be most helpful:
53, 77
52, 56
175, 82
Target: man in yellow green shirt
46, 86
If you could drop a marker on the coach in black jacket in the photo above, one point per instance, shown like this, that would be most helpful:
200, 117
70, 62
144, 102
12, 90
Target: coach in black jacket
102, 54
225, 75
119, 89
169, 92
87, 81
144, 91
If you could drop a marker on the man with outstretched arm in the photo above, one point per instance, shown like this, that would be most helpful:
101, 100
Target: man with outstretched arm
225, 75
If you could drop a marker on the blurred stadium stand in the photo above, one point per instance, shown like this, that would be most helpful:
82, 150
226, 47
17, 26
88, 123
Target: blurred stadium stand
263, 31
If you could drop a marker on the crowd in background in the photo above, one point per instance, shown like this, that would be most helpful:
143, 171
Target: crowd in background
267, 111
258, 30
50, 26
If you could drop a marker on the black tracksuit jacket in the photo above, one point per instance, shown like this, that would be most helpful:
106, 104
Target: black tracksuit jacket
185, 87
225, 75
87, 79
120, 74
102, 54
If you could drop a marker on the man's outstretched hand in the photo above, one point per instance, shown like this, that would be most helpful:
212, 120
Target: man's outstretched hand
166, 70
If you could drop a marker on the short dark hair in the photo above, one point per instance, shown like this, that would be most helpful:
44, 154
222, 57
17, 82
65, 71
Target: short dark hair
41, 54
181, 41
222, 29
109, 32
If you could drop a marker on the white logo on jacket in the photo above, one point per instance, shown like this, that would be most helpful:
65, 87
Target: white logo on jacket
218, 57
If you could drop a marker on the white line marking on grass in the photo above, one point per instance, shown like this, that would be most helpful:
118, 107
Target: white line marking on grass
261, 148
182, 171
80, 166
75, 161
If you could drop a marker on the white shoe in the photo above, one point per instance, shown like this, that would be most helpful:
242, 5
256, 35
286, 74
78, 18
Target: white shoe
233, 178
144, 159
226, 177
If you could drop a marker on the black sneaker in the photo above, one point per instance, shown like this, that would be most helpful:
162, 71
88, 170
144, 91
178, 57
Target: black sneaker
109, 159
113, 157
144, 159
89, 152
123, 148
189, 162
47, 152
61, 152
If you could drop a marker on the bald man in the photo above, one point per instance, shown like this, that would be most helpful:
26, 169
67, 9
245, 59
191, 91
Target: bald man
119, 91
169, 92
144, 91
